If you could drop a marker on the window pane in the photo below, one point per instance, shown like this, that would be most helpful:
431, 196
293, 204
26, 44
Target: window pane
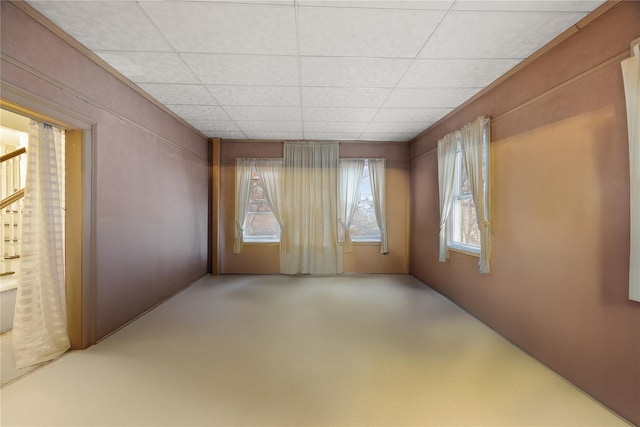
465, 184
363, 224
469, 232
261, 225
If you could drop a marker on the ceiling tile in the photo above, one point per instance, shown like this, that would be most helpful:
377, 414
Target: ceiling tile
373, 136
256, 95
426, 115
105, 25
337, 114
243, 70
222, 126
397, 127
199, 112
455, 72
332, 136
224, 135
264, 113
179, 94
364, 32
270, 126
529, 5
343, 97
275, 135
352, 72
429, 98
351, 127
226, 28
149, 67
496, 34
382, 4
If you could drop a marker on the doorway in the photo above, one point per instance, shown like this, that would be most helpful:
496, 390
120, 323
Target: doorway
76, 149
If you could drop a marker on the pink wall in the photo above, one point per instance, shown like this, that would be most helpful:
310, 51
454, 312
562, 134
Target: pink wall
559, 274
261, 258
151, 172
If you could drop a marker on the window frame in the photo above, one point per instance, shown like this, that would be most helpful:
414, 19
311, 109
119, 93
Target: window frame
368, 238
455, 217
258, 239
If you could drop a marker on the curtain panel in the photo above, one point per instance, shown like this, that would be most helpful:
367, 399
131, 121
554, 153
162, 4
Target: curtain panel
349, 190
243, 186
478, 167
631, 76
377, 175
40, 322
446, 168
310, 209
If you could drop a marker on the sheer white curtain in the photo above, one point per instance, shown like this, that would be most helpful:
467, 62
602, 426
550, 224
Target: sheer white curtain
40, 323
377, 175
631, 74
310, 208
447, 147
477, 161
271, 173
349, 191
243, 186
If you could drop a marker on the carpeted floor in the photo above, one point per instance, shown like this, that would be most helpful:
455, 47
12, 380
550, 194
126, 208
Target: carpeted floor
379, 350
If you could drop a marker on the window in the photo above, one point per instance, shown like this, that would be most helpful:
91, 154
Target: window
260, 224
462, 225
364, 226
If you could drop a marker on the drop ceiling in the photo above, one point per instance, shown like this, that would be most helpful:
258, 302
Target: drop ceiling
379, 70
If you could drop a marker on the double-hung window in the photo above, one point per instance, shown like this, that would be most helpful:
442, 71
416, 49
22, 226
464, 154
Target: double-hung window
260, 224
364, 224
462, 225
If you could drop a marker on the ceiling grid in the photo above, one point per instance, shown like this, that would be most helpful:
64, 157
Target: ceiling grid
368, 70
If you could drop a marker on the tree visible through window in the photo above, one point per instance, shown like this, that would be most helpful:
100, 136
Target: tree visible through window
260, 224
463, 224
364, 227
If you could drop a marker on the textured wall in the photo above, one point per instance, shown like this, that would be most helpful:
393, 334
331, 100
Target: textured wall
151, 172
559, 275
264, 258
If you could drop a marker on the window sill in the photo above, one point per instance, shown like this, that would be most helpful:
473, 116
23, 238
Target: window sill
464, 251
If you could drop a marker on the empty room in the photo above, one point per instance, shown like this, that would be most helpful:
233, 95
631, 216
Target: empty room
320, 213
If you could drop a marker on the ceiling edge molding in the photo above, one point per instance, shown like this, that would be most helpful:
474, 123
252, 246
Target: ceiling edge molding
59, 32
544, 49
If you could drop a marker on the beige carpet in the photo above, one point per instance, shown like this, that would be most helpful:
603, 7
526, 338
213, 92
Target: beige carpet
288, 351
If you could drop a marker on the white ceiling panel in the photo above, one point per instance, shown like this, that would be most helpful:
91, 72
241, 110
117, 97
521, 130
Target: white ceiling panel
397, 127
264, 113
199, 112
338, 114
455, 72
332, 136
343, 97
317, 69
381, 4
256, 95
226, 28
426, 115
373, 136
275, 135
352, 72
179, 94
529, 5
365, 32
243, 70
496, 34
350, 127
105, 25
429, 98
270, 126
149, 67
